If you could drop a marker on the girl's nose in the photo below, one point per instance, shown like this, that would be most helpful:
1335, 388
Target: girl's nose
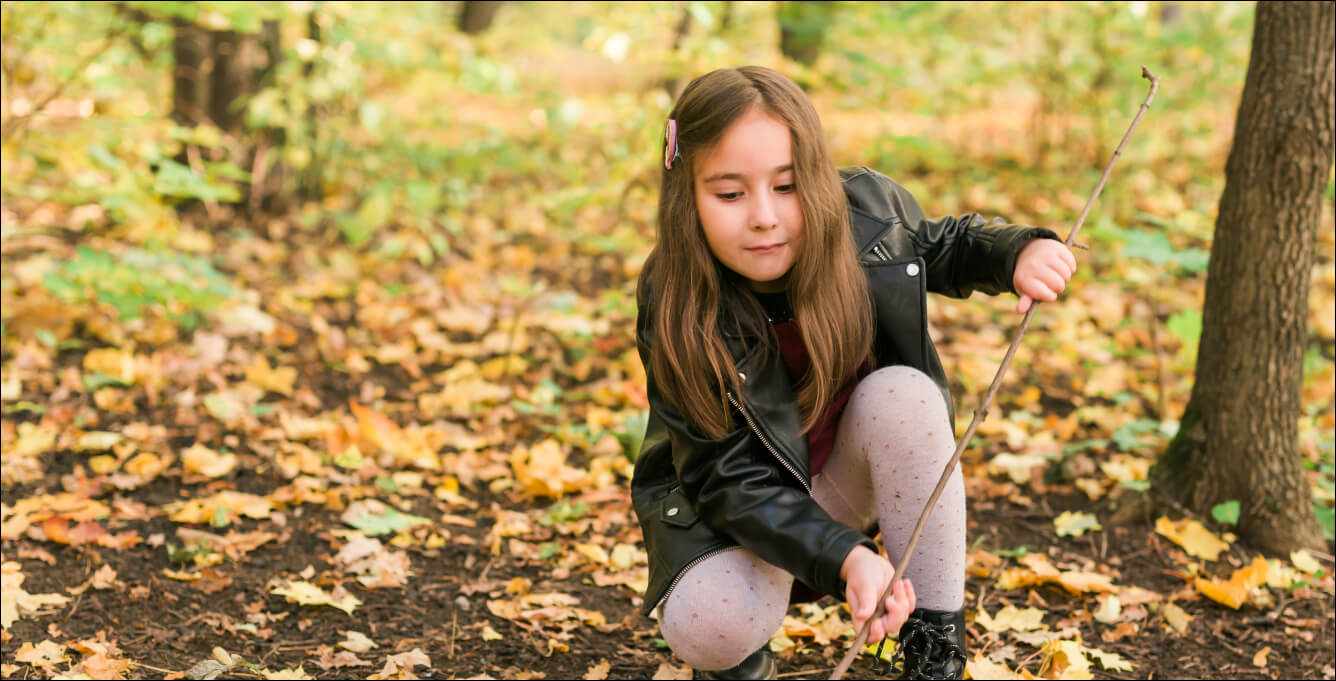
763, 214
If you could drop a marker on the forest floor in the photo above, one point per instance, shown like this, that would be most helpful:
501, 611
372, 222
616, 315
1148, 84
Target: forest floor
151, 565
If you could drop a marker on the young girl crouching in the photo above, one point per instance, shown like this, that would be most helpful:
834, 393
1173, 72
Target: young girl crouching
797, 404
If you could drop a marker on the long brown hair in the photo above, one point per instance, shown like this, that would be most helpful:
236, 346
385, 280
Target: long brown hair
694, 295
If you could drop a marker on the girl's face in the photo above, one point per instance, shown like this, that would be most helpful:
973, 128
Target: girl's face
747, 201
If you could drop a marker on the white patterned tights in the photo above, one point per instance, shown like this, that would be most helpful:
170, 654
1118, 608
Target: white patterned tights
891, 445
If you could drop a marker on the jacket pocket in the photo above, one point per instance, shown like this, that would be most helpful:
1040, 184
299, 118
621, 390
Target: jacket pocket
899, 296
676, 510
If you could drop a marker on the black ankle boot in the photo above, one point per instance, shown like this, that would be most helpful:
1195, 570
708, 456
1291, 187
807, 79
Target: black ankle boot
758, 665
932, 645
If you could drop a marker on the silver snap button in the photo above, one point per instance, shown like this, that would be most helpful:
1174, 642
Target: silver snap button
672, 511
912, 269
743, 376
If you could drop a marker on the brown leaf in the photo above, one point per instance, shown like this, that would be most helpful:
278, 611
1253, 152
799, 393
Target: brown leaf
212, 581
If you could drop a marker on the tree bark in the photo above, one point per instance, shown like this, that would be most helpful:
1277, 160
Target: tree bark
475, 16
190, 44
1238, 438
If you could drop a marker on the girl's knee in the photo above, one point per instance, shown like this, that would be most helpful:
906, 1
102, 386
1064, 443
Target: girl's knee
718, 635
901, 389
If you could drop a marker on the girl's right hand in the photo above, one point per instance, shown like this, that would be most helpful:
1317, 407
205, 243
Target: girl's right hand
866, 575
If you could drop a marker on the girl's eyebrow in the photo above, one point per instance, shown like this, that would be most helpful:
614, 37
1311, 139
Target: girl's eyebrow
738, 176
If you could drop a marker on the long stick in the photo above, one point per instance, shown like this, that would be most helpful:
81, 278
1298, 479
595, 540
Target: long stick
982, 411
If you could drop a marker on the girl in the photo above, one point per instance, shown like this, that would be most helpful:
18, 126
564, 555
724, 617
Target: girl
797, 404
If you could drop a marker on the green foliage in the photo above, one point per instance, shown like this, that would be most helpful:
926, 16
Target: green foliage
563, 512
181, 286
1226, 513
386, 522
1185, 325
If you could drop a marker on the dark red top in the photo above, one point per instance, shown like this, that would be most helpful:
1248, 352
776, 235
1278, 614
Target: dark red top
821, 437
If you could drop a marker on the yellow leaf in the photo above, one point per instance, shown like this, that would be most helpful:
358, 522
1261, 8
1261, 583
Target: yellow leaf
1235, 591
47, 654
593, 552
229, 504
489, 634
1305, 561
145, 465
180, 575
1108, 610
1064, 660
598, 672
357, 642
14, 601
1074, 523
306, 593
1110, 661
96, 441
982, 668
1011, 618
201, 460
286, 674
1259, 660
780, 642
624, 556
1198, 541
1086, 582
113, 362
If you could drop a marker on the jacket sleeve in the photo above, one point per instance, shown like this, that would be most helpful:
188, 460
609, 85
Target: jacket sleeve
739, 490
966, 253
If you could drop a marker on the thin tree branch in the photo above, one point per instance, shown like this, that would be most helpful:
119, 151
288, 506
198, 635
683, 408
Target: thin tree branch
18, 123
982, 411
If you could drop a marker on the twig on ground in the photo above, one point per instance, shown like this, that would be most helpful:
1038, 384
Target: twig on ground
454, 627
982, 411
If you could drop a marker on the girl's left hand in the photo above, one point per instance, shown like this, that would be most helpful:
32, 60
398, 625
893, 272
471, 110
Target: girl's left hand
1042, 271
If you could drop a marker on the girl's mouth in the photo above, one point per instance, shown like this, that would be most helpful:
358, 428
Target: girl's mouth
765, 250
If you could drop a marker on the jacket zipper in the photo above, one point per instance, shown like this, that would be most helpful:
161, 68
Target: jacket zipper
682, 573
881, 252
767, 444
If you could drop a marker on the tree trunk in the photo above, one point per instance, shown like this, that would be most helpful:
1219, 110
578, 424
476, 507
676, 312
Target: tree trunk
475, 16
802, 28
190, 44
1238, 438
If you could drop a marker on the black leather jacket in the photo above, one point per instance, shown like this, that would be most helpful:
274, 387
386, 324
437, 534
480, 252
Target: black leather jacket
696, 496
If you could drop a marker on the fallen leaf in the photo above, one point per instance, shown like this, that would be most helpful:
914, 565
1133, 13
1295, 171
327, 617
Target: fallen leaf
1259, 660
46, 654
598, 672
285, 674
1074, 523
1108, 610
15, 602
981, 667
1176, 618
401, 666
278, 380
357, 642
1195, 539
1011, 618
1235, 591
1305, 561
306, 593
490, 634
668, 672
200, 460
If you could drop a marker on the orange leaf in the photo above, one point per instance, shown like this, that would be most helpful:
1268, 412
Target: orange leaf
1235, 591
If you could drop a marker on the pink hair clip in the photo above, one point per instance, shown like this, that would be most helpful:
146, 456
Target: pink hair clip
670, 151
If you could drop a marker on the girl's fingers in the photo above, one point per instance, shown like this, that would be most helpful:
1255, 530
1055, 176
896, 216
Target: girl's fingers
1023, 304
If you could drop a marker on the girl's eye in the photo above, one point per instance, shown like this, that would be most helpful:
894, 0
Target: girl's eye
784, 188
730, 196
